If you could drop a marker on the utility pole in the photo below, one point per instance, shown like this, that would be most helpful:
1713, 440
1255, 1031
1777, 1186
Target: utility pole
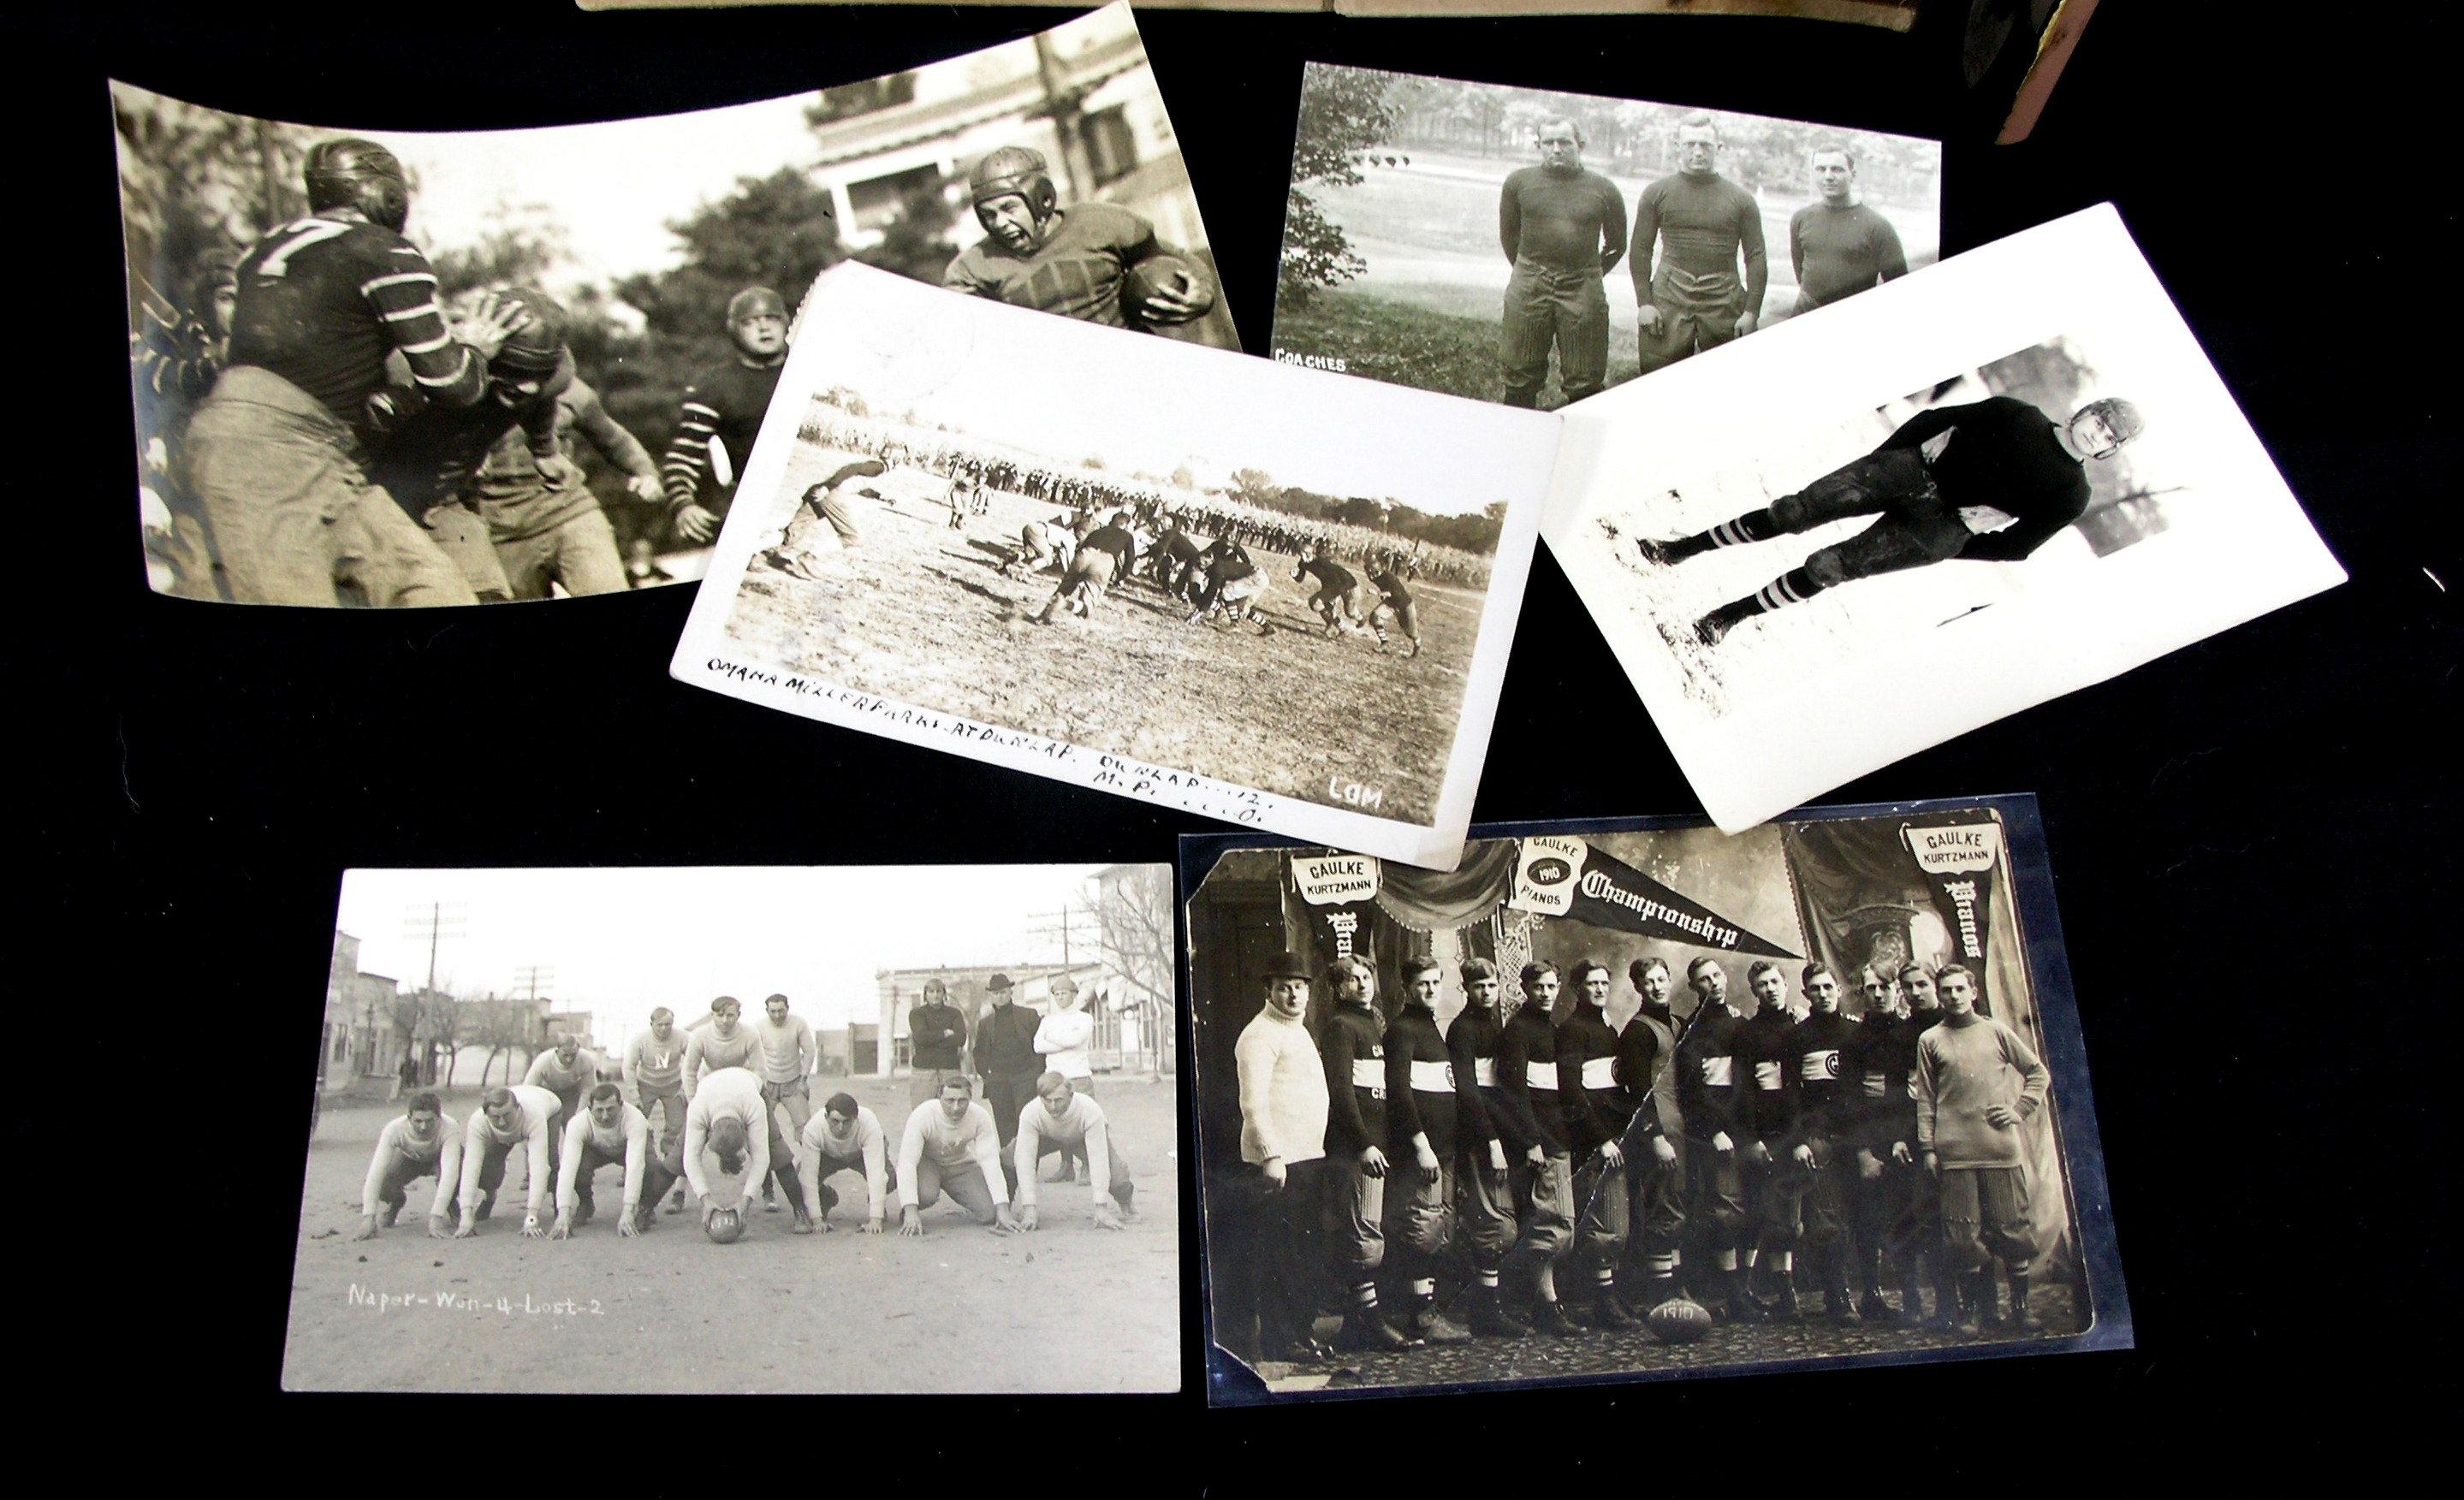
434, 921
1052, 924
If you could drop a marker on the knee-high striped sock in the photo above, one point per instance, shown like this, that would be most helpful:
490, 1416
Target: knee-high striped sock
1364, 1296
1755, 525
1793, 587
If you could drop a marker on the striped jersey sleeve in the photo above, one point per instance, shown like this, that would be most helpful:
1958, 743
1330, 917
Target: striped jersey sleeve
403, 295
687, 456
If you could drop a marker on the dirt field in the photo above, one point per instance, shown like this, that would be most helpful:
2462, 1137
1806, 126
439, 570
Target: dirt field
924, 617
1069, 1308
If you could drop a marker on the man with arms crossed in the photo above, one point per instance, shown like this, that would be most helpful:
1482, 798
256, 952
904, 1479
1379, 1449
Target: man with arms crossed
1977, 1084
423, 1141
609, 1132
1283, 1108
1420, 1132
1839, 245
1483, 1195
525, 1115
730, 1120
845, 1137
1692, 299
1646, 1068
936, 1038
1563, 230
951, 1145
1060, 1118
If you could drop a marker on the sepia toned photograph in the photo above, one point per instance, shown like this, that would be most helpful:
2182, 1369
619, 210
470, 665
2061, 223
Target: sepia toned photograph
381, 368
1534, 248
1632, 1099
2016, 474
1263, 594
816, 1138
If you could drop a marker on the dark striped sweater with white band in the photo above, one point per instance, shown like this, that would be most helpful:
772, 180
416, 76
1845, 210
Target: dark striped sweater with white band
1419, 1082
1355, 1051
1527, 1083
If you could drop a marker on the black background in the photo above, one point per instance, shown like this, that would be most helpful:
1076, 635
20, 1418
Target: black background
2253, 841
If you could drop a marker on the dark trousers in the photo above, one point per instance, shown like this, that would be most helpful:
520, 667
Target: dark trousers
1544, 307
1007, 1096
1917, 526
1287, 1258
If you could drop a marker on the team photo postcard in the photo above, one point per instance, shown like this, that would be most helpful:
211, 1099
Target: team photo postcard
1534, 248
388, 367
1962, 495
1638, 1100
1269, 595
811, 1137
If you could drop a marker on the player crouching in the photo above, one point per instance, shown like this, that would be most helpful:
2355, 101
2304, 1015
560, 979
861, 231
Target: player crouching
608, 1132
730, 1124
421, 1141
1057, 1121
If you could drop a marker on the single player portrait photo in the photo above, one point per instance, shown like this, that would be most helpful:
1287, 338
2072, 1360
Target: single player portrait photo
847, 1130
1534, 248
1638, 1100
1949, 499
415, 368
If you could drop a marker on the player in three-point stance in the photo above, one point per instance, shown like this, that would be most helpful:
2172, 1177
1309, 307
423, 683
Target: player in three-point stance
950, 1145
608, 1132
729, 1122
523, 1114
1988, 481
845, 1137
1060, 1119
423, 1141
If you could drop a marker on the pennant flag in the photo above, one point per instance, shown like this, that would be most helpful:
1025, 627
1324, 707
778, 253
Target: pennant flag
1957, 852
1611, 893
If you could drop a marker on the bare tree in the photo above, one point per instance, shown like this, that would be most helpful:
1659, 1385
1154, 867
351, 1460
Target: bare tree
1133, 912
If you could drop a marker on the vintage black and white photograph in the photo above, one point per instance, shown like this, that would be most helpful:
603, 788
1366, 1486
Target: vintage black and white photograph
1534, 248
2015, 473
1640, 1099
832, 1129
1264, 594
402, 368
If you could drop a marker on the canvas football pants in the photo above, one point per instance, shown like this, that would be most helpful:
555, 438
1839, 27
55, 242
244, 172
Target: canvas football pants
578, 553
1696, 312
964, 1184
1546, 307
656, 1179
1484, 1210
1544, 1198
1917, 526
1356, 1216
1655, 1201
1985, 1218
295, 516
1419, 1212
